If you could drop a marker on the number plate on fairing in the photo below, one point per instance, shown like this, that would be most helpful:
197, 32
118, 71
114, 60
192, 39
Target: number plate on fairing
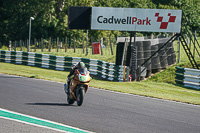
82, 78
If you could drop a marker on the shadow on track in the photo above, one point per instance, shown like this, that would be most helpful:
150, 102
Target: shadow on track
49, 104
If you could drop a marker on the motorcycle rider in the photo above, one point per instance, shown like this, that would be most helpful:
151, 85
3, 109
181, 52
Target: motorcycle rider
79, 65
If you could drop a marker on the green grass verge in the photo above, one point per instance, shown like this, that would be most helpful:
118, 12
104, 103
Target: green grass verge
148, 88
168, 75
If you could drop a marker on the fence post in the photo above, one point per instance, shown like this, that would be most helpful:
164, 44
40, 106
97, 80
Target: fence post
20, 43
35, 45
49, 44
23, 45
66, 44
57, 43
27, 45
15, 45
83, 46
179, 51
10, 45
195, 33
86, 43
101, 43
111, 46
92, 45
41, 44
74, 46
69, 41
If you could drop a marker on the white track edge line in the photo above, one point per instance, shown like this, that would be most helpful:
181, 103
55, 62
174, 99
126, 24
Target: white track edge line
44, 120
34, 124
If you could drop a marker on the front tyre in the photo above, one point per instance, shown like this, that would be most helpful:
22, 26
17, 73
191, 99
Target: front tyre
70, 100
80, 96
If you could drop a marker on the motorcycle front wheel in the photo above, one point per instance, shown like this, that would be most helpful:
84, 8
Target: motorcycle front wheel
70, 100
80, 96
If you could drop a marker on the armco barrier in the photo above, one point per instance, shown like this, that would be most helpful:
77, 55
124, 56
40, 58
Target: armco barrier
188, 77
102, 69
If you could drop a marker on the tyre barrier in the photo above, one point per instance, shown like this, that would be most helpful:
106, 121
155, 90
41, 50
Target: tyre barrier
140, 53
99, 68
163, 56
147, 54
171, 54
188, 77
161, 60
155, 61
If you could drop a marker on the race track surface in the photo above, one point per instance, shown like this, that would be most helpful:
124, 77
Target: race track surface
102, 111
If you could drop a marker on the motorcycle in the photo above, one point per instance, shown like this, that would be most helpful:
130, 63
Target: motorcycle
78, 86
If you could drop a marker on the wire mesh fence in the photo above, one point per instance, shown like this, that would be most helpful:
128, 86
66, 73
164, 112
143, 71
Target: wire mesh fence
68, 45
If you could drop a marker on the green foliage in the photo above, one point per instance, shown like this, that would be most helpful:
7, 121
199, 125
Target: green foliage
51, 16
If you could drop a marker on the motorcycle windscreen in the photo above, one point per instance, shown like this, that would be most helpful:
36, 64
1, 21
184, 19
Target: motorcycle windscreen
83, 71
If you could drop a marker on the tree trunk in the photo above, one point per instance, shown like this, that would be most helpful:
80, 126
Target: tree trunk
59, 8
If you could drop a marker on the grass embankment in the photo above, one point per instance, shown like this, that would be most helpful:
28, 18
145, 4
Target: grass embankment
149, 87
168, 75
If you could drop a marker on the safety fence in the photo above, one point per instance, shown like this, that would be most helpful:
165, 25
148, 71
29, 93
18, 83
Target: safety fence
188, 77
102, 69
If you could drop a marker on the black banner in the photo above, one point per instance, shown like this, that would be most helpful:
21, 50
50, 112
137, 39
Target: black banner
79, 18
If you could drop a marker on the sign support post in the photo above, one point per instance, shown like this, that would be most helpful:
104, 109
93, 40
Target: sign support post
87, 43
133, 58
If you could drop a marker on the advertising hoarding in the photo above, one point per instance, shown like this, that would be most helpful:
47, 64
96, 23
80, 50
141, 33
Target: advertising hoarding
135, 19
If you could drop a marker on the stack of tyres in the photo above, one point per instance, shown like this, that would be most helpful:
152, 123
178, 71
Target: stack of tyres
147, 54
140, 53
171, 59
155, 61
174, 58
140, 56
163, 56
119, 55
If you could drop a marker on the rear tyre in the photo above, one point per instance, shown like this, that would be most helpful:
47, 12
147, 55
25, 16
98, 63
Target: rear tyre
80, 96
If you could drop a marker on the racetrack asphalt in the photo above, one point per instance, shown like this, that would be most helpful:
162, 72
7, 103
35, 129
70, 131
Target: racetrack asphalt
102, 111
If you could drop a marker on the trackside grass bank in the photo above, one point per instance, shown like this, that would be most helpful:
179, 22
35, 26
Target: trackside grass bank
150, 88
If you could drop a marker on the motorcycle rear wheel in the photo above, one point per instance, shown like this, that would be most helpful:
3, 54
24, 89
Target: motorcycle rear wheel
80, 96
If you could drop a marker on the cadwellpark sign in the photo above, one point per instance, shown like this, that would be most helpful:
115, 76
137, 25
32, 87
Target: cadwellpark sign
134, 19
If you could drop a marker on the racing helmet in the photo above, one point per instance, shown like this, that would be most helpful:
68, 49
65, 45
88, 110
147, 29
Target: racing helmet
81, 65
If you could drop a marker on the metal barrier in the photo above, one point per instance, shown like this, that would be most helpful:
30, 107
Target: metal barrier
188, 77
102, 69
